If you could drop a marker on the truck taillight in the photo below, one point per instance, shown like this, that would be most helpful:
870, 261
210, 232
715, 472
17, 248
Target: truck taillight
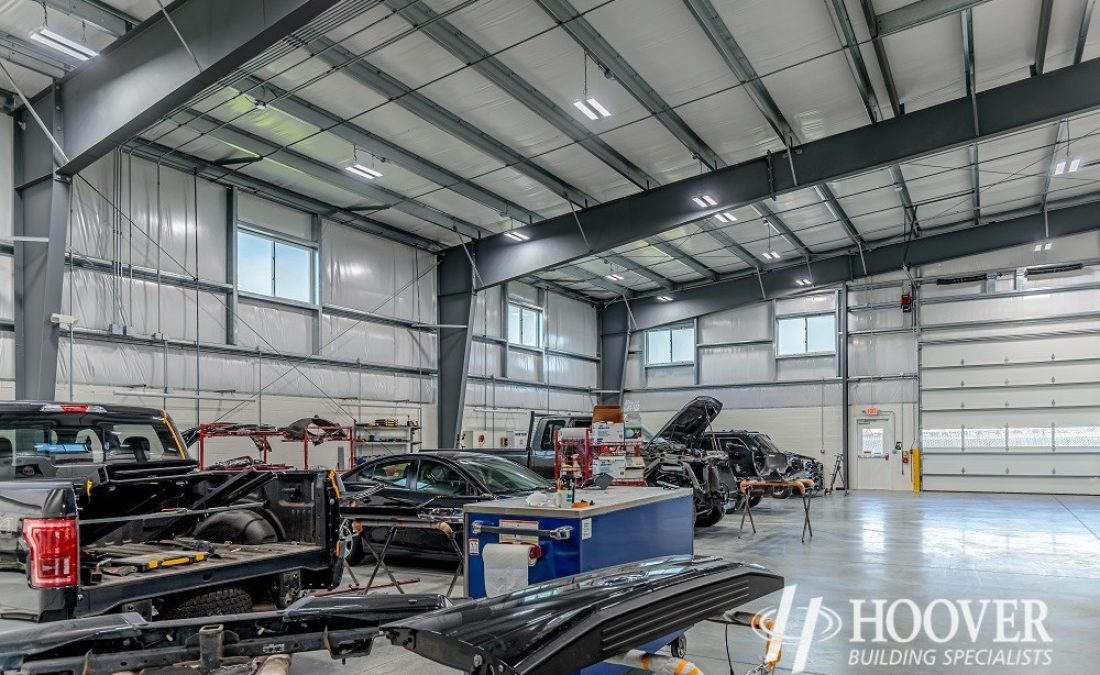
53, 552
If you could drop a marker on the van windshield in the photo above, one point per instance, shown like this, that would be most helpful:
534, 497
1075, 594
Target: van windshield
35, 444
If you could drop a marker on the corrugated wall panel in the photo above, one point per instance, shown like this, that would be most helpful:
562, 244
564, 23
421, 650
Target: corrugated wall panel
570, 325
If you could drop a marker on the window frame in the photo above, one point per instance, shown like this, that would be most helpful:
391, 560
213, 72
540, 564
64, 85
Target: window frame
669, 330
804, 317
517, 341
312, 248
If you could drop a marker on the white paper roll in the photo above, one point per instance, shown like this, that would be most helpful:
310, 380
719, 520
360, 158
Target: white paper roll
505, 567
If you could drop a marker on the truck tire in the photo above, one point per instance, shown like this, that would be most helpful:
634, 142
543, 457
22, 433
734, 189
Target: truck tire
781, 492
357, 552
708, 518
233, 600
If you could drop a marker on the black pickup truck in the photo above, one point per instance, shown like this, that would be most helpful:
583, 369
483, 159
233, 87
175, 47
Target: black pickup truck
102, 511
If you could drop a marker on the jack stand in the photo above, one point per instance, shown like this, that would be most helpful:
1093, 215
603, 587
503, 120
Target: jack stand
838, 472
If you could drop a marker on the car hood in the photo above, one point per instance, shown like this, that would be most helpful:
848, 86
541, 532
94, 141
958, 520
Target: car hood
568, 624
690, 423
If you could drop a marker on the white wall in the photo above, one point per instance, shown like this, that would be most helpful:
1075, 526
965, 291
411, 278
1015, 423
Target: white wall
508, 381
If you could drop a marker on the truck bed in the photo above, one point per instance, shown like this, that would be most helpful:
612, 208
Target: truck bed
225, 555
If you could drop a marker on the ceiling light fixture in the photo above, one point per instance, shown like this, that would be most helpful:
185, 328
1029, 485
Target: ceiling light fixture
726, 217
770, 255
704, 201
588, 105
1074, 164
804, 282
364, 171
664, 298
516, 236
62, 44
1044, 246
613, 277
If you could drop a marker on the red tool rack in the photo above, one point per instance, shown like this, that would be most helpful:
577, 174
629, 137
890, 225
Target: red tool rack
262, 436
577, 456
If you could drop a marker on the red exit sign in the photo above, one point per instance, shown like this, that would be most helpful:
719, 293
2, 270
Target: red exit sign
872, 411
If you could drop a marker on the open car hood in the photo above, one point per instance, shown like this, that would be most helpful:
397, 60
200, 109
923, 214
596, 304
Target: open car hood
565, 625
690, 423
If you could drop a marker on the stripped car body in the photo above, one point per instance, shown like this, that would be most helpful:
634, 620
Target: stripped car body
571, 623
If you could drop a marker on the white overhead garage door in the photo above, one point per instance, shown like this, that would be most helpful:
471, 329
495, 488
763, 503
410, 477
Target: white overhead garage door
1010, 384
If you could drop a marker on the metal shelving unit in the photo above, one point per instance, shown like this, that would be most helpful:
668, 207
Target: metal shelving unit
372, 440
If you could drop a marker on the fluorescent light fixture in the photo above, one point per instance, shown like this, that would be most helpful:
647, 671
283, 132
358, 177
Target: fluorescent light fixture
516, 236
770, 255
613, 277
598, 107
1059, 168
699, 201
364, 171
704, 201
62, 44
588, 112
664, 298
804, 282
726, 217
1074, 164
1044, 246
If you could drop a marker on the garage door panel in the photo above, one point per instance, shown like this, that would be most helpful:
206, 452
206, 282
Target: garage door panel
957, 419
1058, 372
1059, 485
1010, 398
993, 308
1014, 463
1013, 332
984, 353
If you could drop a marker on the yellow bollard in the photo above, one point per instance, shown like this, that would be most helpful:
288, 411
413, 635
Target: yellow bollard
915, 455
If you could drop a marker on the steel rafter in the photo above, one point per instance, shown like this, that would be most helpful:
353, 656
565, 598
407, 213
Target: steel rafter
1041, 37
446, 35
922, 11
1018, 105
1083, 31
728, 48
846, 266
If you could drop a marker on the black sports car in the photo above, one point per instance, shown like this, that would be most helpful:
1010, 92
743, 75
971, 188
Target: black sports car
428, 486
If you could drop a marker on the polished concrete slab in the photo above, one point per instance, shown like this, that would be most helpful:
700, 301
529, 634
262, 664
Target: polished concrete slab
933, 549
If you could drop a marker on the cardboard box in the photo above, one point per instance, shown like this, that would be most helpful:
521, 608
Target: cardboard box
604, 432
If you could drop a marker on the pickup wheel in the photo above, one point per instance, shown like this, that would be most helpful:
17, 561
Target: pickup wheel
708, 518
234, 600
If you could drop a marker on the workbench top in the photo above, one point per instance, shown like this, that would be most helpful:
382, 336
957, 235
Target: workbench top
604, 501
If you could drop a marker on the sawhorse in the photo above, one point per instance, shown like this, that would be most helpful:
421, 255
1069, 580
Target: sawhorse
804, 486
392, 525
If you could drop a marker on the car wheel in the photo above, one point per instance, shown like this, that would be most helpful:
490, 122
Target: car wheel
781, 492
710, 517
357, 552
755, 499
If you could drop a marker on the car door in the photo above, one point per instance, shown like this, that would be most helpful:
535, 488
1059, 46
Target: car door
440, 485
395, 475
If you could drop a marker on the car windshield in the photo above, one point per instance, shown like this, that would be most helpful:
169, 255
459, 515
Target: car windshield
502, 475
767, 443
34, 445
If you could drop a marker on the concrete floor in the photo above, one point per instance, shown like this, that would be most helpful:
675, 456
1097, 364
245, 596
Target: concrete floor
889, 546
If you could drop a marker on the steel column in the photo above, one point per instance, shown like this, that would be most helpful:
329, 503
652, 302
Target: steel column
456, 318
41, 211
